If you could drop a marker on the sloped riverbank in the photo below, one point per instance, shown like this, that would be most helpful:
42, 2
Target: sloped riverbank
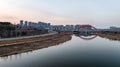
46, 42
111, 36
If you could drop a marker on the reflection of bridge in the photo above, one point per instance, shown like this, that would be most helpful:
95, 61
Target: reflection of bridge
86, 36
86, 32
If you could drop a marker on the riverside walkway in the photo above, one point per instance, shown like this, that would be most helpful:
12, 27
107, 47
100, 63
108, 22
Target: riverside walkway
24, 39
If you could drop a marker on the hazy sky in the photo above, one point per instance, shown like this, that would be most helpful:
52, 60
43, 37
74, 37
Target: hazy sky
95, 12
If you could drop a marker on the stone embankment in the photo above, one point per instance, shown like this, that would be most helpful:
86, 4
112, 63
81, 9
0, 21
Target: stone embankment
43, 42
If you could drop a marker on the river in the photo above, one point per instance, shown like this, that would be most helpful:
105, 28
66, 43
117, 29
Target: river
79, 51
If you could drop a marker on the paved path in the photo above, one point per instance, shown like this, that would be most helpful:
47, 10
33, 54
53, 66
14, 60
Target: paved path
25, 37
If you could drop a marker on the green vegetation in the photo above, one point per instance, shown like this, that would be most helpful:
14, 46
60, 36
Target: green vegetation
6, 29
6, 26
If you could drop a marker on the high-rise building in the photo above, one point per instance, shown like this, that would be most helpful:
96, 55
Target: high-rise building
21, 23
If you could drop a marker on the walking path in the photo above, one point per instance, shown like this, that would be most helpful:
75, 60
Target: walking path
26, 37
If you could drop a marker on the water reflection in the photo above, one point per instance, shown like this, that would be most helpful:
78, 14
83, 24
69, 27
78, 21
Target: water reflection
98, 52
89, 36
86, 36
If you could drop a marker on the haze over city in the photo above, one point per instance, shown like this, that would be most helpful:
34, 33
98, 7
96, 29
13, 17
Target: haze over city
99, 13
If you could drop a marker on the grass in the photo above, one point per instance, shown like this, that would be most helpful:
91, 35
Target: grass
25, 40
16, 49
111, 36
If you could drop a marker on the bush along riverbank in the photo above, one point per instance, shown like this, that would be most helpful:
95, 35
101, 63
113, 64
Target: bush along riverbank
26, 47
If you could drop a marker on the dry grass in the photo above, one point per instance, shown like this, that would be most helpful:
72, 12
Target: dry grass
110, 36
26, 40
53, 40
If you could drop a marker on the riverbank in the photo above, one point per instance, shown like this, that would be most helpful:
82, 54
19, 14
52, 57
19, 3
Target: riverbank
110, 35
25, 39
47, 41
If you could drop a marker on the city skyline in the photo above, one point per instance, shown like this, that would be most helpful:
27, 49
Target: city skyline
100, 13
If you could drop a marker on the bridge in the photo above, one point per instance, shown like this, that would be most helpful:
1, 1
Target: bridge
86, 32
85, 29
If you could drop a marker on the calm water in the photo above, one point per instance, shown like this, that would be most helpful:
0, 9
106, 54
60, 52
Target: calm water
97, 52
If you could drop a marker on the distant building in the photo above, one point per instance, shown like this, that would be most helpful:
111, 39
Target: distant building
76, 27
21, 23
113, 28
39, 25
26, 24
57, 28
62, 27
70, 27
49, 27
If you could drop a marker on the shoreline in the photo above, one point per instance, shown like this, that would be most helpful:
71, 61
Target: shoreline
26, 47
26, 39
110, 36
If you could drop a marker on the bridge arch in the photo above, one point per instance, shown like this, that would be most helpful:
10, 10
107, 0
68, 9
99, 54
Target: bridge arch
86, 27
88, 38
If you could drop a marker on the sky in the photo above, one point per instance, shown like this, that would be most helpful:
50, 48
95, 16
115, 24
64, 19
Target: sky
99, 13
